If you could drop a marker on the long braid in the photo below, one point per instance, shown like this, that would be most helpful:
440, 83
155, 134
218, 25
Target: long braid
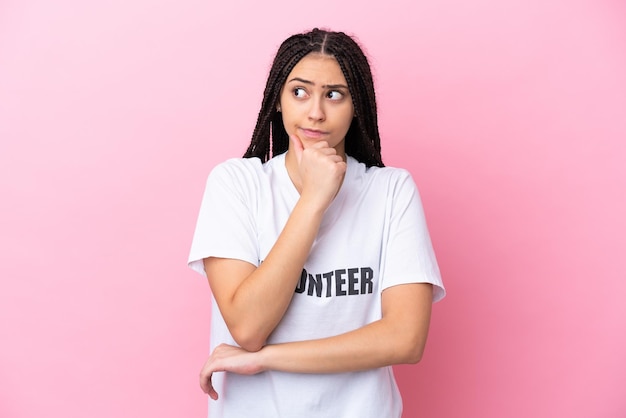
269, 121
363, 138
367, 150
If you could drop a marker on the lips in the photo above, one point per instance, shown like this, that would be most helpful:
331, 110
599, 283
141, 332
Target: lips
313, 133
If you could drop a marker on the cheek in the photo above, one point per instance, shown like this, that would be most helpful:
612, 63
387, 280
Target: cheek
288, 121
287, 118
347, 118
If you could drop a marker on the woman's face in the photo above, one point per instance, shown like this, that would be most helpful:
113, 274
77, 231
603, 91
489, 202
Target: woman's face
315, 102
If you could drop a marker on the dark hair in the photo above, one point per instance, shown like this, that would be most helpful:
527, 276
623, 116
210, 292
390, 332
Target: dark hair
362, 139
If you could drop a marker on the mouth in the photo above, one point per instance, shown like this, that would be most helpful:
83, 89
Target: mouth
313, 133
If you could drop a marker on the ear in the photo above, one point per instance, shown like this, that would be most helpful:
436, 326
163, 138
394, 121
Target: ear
278, 107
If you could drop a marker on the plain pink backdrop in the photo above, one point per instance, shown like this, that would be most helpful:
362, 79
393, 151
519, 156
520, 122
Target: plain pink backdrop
511, 115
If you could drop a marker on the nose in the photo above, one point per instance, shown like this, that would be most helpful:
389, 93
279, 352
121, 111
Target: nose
316, 109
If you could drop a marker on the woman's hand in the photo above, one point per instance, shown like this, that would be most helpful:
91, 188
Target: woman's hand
227, 358
320, 170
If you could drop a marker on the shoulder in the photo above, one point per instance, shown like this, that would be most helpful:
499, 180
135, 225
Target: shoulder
234, 167
236, 171
233, 177
390, 179
246, 175
247, 166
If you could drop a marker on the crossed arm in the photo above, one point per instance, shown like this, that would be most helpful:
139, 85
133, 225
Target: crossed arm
253, 299
398, 337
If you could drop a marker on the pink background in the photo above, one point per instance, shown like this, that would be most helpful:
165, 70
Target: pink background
511, 115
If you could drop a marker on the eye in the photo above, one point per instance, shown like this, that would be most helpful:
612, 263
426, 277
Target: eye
334, 95
299, 92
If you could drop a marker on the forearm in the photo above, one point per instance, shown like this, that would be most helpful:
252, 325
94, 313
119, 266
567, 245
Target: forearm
376, 345
260, 301
373, 346
398, 337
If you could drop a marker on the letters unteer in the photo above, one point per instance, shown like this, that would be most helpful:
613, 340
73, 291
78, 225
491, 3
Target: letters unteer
341, 282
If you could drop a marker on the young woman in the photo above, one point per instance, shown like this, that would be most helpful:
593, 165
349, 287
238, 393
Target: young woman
318, 257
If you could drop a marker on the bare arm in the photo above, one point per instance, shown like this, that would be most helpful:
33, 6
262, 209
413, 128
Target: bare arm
398, 337
253, 300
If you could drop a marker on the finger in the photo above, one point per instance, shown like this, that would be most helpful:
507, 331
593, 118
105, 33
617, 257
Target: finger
327, 151
320, 145
336, 159
213, 394
206, 384
296, 146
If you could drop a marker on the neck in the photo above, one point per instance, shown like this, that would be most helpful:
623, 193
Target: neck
292, 169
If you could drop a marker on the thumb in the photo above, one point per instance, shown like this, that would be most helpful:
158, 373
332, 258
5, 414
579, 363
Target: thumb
296, 147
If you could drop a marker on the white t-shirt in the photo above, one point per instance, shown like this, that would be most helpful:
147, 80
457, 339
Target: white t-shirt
372, 236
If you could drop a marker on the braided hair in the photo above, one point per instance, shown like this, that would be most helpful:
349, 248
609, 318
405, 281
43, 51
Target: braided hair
362, 139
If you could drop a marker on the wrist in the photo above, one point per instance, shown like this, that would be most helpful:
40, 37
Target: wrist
264, 357
313, 207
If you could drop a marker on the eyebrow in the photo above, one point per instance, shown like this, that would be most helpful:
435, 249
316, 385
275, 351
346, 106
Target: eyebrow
326, 86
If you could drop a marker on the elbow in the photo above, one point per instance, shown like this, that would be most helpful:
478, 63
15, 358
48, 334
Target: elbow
252, 346
249, 341
414, 356
412, 351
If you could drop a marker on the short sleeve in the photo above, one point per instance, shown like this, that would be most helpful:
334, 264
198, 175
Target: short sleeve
408, 255
226, 224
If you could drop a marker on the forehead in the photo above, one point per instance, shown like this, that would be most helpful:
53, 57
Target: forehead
318, 68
